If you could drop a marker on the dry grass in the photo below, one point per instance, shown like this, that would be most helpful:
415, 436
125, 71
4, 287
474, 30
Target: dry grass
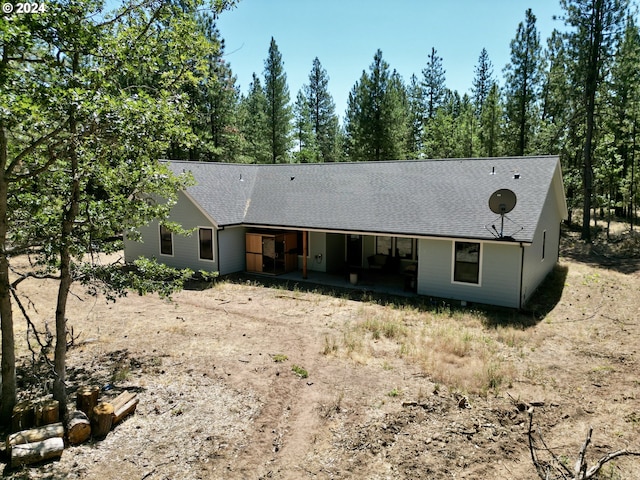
456, 349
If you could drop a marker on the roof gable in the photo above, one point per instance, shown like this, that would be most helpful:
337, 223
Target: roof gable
444, 198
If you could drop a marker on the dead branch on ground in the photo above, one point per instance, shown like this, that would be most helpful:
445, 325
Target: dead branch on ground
556, 469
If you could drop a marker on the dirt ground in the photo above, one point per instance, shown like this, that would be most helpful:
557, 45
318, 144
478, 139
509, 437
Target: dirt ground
418, 390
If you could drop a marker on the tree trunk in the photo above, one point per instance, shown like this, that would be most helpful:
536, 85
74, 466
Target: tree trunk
8, 362
592, 74
60, 358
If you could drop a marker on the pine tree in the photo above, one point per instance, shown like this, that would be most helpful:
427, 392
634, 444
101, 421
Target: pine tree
254, 125
491, 124
591, 42
415, 98
482, 82
306, 149
376, 118
324, 120
623, 122
278, 109
523, 85
216, 101
433, 83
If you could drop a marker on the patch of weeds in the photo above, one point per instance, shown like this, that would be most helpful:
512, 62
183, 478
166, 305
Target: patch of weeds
386, 366
351, 342
591, 279
121, 372
176, 412
330, 345
279, 358
327, 411
301, 372
394, 393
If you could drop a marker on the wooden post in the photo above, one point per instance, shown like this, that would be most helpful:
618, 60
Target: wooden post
28, 453
87, 398
78, 427
22, 417
305, 253
101, 419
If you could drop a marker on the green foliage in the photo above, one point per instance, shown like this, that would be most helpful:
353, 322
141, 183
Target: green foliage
377, 115
278, 110
279, 358
143, 276
301, 372
523, 86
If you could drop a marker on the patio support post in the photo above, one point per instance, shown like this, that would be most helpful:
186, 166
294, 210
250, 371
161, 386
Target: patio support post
305, 253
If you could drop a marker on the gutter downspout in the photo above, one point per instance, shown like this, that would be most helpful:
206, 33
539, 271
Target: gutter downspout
521, 275
218, 247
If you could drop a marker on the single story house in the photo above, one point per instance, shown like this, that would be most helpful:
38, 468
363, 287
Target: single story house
429, 219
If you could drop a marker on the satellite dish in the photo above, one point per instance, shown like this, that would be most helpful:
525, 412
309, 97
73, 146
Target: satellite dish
502, 201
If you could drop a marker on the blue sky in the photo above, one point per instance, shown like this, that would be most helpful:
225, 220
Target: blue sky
345, 34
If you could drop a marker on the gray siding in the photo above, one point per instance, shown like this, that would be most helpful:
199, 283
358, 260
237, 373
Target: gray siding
185, 248
499, 275
232, 250
317, 246
537, 268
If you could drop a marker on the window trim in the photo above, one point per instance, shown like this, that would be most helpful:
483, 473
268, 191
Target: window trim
213, 250
453, 264
160, 227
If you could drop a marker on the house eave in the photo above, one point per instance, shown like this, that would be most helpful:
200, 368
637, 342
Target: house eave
525, 242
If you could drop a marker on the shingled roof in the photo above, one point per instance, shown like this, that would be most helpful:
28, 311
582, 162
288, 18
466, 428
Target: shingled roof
429, 198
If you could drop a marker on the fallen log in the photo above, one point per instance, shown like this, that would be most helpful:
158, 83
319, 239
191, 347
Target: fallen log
87, 398
78, 427
46, 412
28, 453
101, 419
123, 405
35, 435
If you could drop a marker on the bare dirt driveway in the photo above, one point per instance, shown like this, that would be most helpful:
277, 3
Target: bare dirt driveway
245, 381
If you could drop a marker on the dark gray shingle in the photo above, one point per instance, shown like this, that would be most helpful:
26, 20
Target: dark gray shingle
447, 198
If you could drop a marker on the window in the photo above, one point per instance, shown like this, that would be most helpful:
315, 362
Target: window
466, 262
404, 248
206, 243
383, 245
166, 241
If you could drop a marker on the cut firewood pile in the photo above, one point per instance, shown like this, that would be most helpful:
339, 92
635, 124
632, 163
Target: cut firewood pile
39, 434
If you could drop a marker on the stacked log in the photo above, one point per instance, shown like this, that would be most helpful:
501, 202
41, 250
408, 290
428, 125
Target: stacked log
46, 412
28, 453
36, 444
78, 427
87, 399
123, 405
101, 419
22, 416
32, 445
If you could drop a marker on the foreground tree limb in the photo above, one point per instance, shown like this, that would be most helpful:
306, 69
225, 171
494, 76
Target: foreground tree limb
557, 470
